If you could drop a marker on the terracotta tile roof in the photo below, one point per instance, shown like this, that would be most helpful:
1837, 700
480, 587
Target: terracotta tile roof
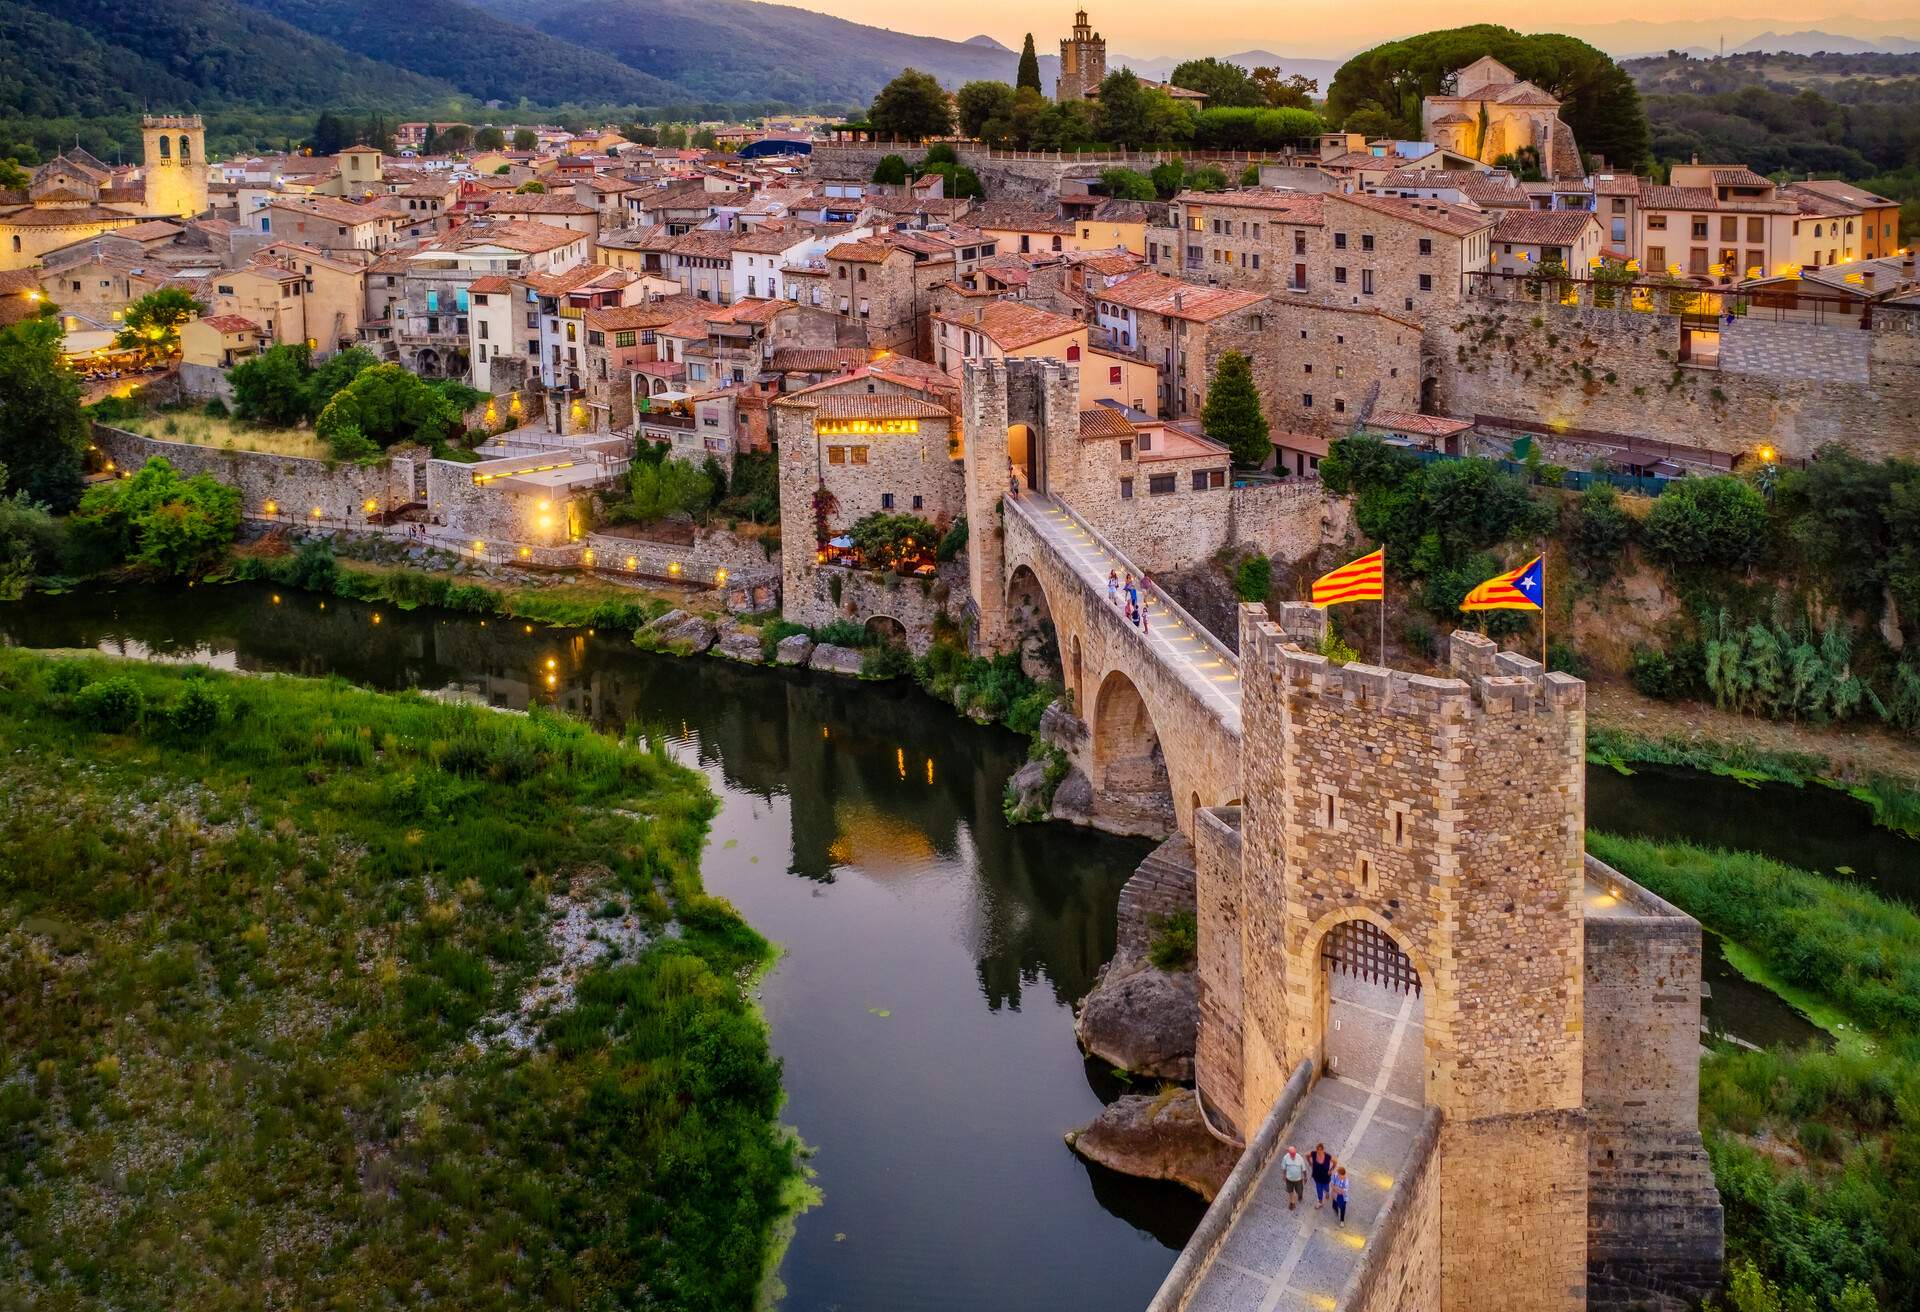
1003, 216
580, 275
490, 284
1112, 263
1616, 184
817, 359
151, 230
1402, 421
1483, 189
527, 238
1819, 204
1366, 161
1103, 421
1543, 227
648, 314
702, 244
1176, 442
230, 323
1453, 220
1845, 192
1525, 93
1011, 325
1305, 204
1155, 293
861, 252
334, 211
77, 215
1739, 176
1121, 211
866, 405
536, 203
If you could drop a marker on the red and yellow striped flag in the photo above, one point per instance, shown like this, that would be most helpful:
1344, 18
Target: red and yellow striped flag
1364, 579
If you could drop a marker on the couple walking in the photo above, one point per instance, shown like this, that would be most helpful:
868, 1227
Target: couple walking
1329, 1179
1136, 602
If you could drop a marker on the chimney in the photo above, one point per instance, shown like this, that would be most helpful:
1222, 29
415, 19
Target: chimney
1867, 279
1179, 301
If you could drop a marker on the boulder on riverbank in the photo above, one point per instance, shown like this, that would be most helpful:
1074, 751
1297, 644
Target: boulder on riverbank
738, 644
1073, 799
837, 660
1158, 1137
1142, 1019
679, 632
795, 650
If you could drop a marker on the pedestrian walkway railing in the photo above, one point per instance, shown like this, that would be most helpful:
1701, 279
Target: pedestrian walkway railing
1174, 608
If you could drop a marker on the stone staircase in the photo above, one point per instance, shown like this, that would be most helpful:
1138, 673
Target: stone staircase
1162, 885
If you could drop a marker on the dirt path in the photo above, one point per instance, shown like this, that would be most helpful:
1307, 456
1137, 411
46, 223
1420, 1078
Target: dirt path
1852, 752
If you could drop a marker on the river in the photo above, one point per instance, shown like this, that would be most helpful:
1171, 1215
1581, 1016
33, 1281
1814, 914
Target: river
922, 1006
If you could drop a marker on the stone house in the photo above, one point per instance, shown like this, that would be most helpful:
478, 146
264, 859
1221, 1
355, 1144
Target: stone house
1493, 111
1323, 369
220, 341
1879, 216
1724, 216
296, 294
1158, 491
327, 224
1004, 329
1401, 255
1257, 238
1181, 330
676, 208
554, 209
1526, 241
621, 341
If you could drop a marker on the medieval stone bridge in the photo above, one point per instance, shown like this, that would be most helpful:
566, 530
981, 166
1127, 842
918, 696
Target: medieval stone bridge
1162, 707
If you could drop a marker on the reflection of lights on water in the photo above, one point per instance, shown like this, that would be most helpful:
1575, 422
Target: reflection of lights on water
823, 731
376, 617
550, 680
529, 628
550, 662
276, 599
900, 759
929, 769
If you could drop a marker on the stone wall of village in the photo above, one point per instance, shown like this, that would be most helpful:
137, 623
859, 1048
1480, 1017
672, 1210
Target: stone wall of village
1619, 372
276, 488
820, 595
1401, 1269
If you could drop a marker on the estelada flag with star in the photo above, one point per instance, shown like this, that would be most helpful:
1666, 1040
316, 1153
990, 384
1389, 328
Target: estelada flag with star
1518, 589
1364, 579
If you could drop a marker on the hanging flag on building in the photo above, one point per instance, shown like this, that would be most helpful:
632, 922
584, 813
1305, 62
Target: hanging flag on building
1364, 579
1518, 589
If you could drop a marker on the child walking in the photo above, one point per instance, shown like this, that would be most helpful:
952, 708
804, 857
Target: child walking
1113, 588
1340, 1193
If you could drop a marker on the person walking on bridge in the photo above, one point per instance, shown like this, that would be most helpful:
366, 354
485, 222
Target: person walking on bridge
1340, 1193
1322, 1163
1293, 1169
1113, 588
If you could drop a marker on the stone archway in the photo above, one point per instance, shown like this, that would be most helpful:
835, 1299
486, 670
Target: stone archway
1030, 619
1131, 784
1371, 1008
1023, 453
890, 631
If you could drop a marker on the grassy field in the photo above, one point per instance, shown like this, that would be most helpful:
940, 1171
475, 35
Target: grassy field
314, 997
228, 434
1816, 1151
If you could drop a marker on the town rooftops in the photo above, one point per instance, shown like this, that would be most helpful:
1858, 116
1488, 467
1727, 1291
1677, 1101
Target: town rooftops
1104, 422
817, 359
537, 203
230, 323
1702, 198
1179, 442
334, 211
1543, 227
527, 238
861, 252
1011, 325
490, 284
1402, 421
862, 405
1155, 293
1296, 206
1002, 216
1487, 190
647, 314
1454, 220
1739, 176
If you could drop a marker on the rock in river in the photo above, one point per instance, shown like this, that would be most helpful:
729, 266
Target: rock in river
1142, 1019
1158, 1137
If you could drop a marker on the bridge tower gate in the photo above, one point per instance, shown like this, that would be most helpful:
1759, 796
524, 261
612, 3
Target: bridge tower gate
1444, 817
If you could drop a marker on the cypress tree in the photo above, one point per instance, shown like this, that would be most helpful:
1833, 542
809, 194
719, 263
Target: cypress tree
1232, 413
1029, 75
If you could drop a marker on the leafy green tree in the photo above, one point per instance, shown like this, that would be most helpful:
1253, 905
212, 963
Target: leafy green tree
1134, 115
1372, 122
1168, 178
525, 139
152, 323
456, 140
1232, 414
383, 405
334, 373
703, 139
489, 138
897, 542
912, 107
532, 186
1599, 530
43, 430
940, 152
377, 133
271, 388
661, 488
891, 169
1598, 98
1029, 75
1295, 92
1207, 177
961, 182
1072, 126
12, 176
1224, 85
157, 518
979, 103
1715, 523
1127, 184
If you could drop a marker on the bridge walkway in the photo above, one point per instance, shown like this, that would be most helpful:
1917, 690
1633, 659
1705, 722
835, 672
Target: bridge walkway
1368, 1113
1174, 638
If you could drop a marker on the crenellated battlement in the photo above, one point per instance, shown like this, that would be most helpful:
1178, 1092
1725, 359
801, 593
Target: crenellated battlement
1486, 680
171, 122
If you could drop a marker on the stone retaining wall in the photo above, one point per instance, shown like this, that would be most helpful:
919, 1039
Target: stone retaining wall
1161, 886
1285, 520
735, 566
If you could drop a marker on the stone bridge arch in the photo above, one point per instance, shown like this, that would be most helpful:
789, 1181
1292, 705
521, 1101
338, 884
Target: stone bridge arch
1197, 741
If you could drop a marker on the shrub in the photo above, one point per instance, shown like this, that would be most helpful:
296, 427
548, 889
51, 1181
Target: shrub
843, 633
663, 488
1707, 523
1599, 531
197, 713
157, 518
1176, 941
1655, 673
893, 541
954, 542
1253, 580
110, 706
385, 404
886, 661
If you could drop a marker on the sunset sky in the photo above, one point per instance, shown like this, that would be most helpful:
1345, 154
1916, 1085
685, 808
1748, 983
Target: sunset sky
1329, 29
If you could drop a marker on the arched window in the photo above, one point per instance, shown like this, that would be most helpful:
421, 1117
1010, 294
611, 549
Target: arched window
186, 149
166, 148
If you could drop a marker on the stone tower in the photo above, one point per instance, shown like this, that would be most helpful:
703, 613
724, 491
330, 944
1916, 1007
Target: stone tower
175, 164
1083, 61
1435, 823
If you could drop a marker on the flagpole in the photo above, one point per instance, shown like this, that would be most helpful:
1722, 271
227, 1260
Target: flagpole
1543, 610
1383, 624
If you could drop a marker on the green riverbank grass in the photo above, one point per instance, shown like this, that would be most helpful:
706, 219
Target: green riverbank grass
1895, 802
259, 939
1817, 1153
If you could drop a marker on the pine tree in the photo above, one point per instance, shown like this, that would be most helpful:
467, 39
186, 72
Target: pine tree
1232, 413
1029, 75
